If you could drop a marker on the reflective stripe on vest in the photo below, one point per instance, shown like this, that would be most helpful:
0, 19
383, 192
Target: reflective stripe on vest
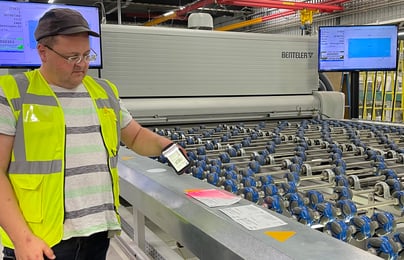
115, 106
24, 166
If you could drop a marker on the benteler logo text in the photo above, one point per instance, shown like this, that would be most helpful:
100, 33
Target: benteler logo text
297, 55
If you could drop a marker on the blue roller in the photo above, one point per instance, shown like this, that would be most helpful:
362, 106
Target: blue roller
215, 168
213, 178
383, 246
225, 138
303, 215
275, 203
338, 229
247, 172
385, 221
362, 226
342, 180
254, 136
209, 146
216, 162
348, 208
203, 164
390, 174
251, 194
231, 174
201, 150
192, 155
260, 159
270, 149
340, 163
314, 197
248, 181
277, 139
232, 151
297, 160
231, 167
245, 143
230, 185
198, 172
162, 159
255, 166
288, 187
224, 157
343, 192
295, 167
267, 179
292, 177
182, 143
327, 212
295, 200
270, 189
394, 185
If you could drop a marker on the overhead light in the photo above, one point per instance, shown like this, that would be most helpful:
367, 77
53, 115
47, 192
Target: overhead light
168, 13
51, 1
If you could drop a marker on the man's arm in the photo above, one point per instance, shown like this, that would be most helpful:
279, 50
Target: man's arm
27, 245
142, 140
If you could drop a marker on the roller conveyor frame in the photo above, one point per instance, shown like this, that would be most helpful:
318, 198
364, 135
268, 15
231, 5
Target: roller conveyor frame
158, 194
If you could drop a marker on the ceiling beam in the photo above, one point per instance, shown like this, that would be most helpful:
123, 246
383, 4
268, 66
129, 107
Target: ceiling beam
282, 5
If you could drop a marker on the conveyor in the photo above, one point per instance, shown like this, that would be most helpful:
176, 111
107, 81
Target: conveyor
258, 128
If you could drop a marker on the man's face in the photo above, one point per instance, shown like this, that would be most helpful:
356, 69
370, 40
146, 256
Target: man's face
59, 62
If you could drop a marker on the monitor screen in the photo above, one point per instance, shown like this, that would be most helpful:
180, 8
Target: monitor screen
357, 48
18, 21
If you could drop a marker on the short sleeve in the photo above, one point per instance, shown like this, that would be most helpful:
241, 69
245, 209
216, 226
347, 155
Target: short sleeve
7, 119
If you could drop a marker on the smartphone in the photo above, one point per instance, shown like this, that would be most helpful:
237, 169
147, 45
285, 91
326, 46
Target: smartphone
176, 158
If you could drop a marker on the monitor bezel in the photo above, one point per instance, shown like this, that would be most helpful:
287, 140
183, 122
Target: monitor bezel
349, 69
53, 5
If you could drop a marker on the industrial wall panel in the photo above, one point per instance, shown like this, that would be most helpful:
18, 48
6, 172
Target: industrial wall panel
356, 12
160, 62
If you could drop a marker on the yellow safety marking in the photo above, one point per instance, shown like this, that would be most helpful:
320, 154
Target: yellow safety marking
125, 158
288, 3
281, 236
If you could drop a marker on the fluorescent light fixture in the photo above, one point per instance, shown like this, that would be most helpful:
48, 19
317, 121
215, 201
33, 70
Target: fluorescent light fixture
168, 13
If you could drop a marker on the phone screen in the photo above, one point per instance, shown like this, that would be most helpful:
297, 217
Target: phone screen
176, 158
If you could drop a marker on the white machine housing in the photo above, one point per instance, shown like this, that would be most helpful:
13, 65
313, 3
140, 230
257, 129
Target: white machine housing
167, 75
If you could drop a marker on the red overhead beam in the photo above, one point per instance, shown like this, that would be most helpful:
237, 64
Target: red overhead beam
282, 5
327, 6
268, 17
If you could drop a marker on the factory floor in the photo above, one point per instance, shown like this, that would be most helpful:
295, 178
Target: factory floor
114, 253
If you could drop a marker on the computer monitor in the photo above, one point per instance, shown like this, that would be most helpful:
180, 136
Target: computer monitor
357, 48
18, 21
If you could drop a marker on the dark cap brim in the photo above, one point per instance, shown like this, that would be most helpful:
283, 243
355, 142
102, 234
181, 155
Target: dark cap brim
69, 31
78, 29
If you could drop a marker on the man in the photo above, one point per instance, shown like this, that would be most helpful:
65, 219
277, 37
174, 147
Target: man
60, 132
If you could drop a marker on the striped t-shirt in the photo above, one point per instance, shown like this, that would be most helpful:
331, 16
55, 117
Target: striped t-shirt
89, 206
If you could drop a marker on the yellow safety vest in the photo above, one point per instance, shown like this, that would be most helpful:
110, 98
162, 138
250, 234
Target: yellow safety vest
36, 169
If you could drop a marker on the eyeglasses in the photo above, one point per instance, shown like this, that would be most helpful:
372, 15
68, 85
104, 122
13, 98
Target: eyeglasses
76, 59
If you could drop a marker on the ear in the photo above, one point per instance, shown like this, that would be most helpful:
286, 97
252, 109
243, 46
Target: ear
41, 52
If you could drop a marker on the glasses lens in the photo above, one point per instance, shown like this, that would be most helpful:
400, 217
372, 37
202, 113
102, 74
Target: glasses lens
92, 57
74, 59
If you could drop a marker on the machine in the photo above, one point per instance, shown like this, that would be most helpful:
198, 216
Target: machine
247, 109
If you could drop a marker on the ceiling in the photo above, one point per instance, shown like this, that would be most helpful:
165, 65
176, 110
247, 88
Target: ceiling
141, 11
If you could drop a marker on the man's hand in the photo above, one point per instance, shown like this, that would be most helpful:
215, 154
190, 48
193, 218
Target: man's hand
33, 248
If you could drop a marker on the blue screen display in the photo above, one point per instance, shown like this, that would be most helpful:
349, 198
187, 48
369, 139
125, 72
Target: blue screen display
18, 21
357, 48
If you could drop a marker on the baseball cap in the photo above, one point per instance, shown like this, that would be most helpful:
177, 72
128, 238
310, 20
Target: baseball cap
62, 21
